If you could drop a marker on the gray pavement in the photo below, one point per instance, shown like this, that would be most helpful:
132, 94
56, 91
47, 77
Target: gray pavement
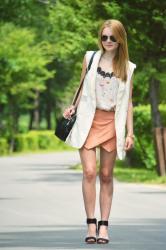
41, 207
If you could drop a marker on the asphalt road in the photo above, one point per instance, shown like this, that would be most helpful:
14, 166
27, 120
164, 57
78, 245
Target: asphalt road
41, 207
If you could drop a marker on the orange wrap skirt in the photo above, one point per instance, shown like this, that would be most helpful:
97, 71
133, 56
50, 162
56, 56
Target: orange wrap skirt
102, 132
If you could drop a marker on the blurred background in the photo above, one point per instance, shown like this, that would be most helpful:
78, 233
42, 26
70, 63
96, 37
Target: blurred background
42, 45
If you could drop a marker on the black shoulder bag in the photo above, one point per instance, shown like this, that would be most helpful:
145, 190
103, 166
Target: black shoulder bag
64, 125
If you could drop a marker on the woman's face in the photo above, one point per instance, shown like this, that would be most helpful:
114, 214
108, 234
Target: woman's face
108, 40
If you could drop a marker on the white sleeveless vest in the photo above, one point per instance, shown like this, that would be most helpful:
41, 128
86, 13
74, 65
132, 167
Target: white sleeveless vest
87, 106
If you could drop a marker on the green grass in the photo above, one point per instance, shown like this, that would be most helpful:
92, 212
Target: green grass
127, 174
138, 175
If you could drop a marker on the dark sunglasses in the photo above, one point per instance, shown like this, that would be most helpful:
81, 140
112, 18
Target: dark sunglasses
104, 38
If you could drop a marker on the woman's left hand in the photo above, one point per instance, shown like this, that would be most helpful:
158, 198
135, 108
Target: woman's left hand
129, 143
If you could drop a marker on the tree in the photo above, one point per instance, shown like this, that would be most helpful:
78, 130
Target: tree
22, 73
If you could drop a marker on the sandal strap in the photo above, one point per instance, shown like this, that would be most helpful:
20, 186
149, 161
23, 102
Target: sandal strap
91, 221
103, 222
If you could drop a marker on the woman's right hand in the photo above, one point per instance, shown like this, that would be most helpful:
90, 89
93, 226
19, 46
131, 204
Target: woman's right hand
69, 112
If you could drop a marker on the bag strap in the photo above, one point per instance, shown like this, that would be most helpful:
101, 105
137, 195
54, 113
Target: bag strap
87, 69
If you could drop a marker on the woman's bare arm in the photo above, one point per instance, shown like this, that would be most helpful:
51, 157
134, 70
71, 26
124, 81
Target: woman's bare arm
130, 111
129, 143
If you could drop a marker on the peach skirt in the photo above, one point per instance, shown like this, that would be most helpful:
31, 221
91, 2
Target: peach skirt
102, 132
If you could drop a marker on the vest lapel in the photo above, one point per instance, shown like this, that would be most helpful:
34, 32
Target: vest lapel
121, 91
93, 72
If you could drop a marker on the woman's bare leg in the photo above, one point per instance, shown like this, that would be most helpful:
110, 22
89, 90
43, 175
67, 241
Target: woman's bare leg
107, 162
88, 160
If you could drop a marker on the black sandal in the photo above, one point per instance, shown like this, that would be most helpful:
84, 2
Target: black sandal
102, 240
91, 239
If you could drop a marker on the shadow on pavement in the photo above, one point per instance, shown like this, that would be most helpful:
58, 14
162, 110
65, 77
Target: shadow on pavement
137, 234
50, 173
57, 177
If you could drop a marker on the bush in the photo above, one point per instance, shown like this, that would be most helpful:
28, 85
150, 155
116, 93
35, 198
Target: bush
3, 146
44, 141
21, 143
36, 140
24, 142
143, 153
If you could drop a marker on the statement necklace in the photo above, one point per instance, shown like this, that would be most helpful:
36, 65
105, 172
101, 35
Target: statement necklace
103, 73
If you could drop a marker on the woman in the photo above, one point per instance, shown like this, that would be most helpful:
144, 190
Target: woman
104, 109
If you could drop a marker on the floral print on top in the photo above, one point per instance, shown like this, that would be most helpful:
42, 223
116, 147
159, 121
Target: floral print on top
106, 90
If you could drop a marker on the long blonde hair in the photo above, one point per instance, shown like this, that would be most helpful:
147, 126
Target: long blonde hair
120, 61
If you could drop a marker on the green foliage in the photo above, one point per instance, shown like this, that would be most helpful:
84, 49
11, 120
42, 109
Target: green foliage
44, 141
25, 142
3, 146
24, 13
143, 153
23, 68
38, 140
22, 72
162, 109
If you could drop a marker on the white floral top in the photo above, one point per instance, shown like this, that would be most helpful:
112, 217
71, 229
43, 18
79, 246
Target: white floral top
106, 90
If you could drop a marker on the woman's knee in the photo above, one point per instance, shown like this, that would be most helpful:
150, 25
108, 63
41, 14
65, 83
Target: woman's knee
106, 176
89, 174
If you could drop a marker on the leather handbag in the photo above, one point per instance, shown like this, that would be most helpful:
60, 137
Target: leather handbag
64, 125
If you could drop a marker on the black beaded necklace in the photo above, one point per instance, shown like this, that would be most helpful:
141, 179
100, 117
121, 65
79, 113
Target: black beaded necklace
103, 73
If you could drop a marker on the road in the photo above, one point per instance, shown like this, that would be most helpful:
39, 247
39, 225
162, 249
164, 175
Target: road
41, 207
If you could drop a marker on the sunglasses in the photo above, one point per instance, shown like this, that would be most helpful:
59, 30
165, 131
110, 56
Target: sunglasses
104, 38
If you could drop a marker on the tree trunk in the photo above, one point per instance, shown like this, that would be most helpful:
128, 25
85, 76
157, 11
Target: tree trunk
155, 114
36, 111
48, 104
157, 128
31, 119
1, 115
13, 122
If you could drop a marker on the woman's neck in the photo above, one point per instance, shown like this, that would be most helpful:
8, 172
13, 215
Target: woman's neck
109, 55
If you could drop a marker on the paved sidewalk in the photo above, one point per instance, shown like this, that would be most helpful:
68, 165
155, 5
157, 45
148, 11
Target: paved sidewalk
41, 207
